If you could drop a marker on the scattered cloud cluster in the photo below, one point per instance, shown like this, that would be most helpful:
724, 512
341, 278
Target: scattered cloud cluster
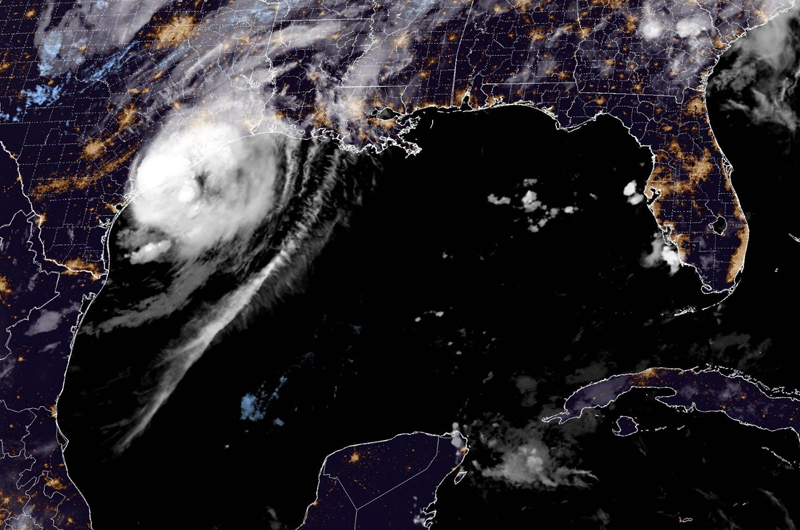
661, 253
250, 411
531, 203
526, 461
633, 195
532, 465
537, 455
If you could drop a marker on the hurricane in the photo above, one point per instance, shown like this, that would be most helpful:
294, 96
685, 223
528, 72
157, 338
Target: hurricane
223, 235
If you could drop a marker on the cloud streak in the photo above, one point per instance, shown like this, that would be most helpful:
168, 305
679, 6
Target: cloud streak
197, 338
272, 205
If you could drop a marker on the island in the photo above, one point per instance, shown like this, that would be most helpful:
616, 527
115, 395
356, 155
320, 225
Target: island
626, 426
740, 398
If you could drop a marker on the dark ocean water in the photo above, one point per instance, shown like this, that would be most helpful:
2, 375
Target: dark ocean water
428, 307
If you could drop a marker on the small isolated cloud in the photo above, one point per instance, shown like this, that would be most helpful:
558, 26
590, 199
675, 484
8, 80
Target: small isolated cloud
150, 251
651, 29
527, 387
661, 253
250, 409
535, 226
692, 26
274, 521
630, 192
530, 201
499, 200
47, 321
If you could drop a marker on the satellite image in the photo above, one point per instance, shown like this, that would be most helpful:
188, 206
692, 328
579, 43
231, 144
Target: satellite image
365, 265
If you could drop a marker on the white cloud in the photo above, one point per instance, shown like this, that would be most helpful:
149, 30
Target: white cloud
530, 201
197, 338
661, 253
651, 29
630, 192
47, 321
150, 251
630, 188
203, 181
765, 72
532, 465
522, 458
498, 201
692, 27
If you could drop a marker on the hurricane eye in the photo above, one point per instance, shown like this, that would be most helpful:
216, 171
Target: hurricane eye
201, 177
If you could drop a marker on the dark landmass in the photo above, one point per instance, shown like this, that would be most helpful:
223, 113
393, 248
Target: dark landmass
626, 426
707, 390
388, 484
